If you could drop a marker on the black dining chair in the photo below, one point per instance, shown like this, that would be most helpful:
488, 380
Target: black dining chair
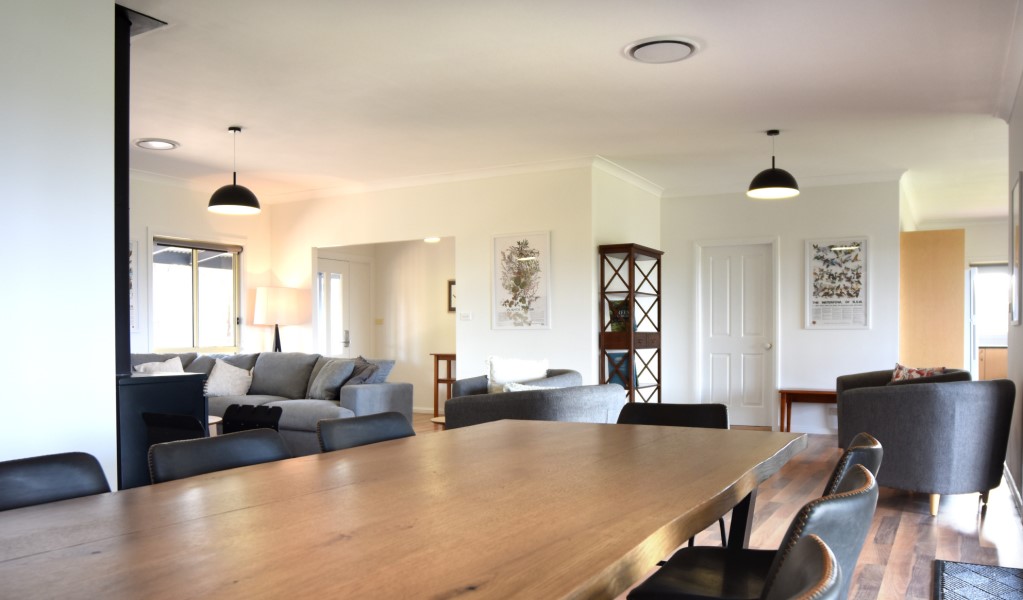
864, 450
842, 520
187, 458
709, 416
810, 572
242, 417
42, 479
338, 434
166, 427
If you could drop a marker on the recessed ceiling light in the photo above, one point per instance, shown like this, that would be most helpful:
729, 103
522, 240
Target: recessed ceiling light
660, 50
156, 144
431, 240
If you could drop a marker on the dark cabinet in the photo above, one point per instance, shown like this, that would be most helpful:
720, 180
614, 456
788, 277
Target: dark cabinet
156, 393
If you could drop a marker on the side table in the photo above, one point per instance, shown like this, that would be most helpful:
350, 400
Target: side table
447, 380
788, 396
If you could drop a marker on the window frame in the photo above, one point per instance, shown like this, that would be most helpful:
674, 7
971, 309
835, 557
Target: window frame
196, 247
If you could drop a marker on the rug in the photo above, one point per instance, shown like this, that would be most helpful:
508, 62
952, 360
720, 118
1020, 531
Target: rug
966, 581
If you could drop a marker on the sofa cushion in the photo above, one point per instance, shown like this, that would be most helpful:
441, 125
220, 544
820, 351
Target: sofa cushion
326, 383
513, 370
282, 374
186, 358
171, 365
364, 370
218, 404
383, 369
902, 372
228, 380
302, 415
204, 363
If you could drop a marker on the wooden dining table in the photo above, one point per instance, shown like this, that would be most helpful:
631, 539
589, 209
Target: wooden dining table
506, 509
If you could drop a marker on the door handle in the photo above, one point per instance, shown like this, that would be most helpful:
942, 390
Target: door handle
347, 339
768, 346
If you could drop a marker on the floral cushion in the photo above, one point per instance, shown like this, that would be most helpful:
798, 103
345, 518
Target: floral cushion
902, 372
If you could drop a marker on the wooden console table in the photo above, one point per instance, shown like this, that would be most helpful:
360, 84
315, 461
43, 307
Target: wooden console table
811, 396
447, 380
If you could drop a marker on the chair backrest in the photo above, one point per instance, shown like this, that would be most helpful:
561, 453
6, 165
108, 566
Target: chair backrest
338, 434
864, 450
42, 479
712, 416
241, 417
167, 427
187, 458
842, 520
811, 572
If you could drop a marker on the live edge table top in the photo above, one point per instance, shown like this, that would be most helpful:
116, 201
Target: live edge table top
505, 509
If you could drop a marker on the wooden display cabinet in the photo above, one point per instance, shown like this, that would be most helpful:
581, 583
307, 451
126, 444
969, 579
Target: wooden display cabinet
630, 318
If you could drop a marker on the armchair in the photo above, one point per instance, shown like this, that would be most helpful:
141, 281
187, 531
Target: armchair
948, 437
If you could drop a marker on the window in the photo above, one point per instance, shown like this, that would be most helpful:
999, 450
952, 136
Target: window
991, 286
195, 296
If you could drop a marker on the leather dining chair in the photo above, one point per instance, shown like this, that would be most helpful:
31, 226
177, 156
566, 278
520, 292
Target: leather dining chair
864, 450
709, 416
810, 572
349, 432
42, 479
187, 458
841, 520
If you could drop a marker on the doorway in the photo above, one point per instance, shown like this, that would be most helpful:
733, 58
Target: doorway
343, 308
737, 330
988, 288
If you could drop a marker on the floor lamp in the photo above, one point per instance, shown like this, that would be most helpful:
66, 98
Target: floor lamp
278, 306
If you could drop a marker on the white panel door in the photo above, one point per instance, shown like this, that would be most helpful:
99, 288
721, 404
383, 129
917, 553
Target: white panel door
343, 308
737, 329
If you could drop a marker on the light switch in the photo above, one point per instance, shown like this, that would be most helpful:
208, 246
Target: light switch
465, 316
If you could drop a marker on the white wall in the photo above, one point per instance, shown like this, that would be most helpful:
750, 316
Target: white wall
57, 68
806, 358
164, 207
472, 212
411, 318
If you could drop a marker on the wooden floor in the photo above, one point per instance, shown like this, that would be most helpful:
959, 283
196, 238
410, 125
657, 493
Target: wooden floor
904, 540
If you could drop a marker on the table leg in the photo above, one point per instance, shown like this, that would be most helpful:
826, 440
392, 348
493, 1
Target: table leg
781, 421
788, 414
436, 386
742, 522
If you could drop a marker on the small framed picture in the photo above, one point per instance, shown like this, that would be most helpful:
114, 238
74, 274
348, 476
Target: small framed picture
451, 295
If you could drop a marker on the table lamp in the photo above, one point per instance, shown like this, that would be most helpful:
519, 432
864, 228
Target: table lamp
278, 306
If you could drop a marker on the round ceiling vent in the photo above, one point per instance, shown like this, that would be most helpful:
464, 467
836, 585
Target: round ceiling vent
661, 50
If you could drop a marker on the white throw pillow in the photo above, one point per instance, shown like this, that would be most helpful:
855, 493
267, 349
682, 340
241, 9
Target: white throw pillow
513, 370
228, 380
171, 365
521, 387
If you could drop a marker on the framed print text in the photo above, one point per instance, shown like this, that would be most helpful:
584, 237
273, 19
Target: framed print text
837, 284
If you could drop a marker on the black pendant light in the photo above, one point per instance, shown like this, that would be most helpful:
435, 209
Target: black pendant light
773, 183
234, 199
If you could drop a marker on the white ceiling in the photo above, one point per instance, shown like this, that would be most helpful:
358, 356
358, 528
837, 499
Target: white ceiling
345, 95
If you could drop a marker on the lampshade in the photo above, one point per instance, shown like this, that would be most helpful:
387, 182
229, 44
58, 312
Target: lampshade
234, 199
773, 183
279, 306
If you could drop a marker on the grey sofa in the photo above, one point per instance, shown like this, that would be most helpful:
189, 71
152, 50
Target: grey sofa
564, 399
939, 437
286, 379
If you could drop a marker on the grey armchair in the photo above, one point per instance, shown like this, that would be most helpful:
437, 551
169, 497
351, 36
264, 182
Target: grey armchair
939, 438
565, 400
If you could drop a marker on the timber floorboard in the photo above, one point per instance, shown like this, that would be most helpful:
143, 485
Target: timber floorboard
904, 539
